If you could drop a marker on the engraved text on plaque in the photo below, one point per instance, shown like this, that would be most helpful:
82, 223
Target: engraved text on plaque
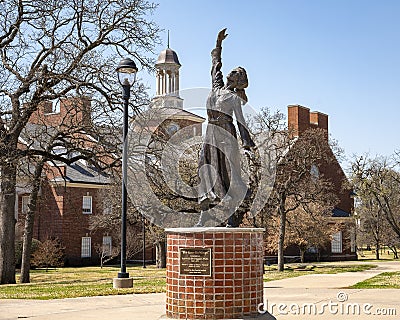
195, 261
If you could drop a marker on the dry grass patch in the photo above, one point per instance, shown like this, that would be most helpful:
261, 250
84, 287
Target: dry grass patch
83, 282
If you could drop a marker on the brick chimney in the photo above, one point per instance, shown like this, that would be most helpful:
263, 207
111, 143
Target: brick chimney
300, 119
319, 120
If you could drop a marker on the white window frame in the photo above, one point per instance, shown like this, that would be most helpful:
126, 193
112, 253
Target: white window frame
87, 205
24, 204
86, 247
353, 247
314, 171
107, 245
337, 243
16, 209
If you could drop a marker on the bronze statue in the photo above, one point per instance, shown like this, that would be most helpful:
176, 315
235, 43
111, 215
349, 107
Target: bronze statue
219, 164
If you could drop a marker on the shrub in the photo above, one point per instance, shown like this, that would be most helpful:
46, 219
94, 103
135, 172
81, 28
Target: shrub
50, 253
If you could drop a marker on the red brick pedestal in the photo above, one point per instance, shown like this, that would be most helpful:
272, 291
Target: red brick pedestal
229, 263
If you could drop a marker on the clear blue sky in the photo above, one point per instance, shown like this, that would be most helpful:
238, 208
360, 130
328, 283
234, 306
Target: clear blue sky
339, 57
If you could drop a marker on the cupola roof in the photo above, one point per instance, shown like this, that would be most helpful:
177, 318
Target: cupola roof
168, 56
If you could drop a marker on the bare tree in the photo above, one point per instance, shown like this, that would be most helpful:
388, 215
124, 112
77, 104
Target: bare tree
377, 184
29, 221
295, 185
110, 221
51, 50
309, 226
49, 254
106, 253
299, 204
373, 225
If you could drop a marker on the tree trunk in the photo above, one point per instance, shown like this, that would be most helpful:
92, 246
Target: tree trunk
377, 247
281, 240
394, 250
7, 223
29, 222
302, 253
161, 254
26, 247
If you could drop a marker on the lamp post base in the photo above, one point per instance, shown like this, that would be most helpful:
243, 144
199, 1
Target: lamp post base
122, 283
123, 274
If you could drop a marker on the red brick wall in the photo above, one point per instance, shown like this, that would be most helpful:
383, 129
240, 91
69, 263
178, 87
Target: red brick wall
76, 223
72, 111
60, 215
235, 287
334, 172
301, 119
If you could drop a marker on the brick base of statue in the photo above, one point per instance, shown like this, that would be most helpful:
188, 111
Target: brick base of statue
214, 273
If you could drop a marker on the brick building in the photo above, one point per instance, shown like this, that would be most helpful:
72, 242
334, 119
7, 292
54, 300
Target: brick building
71, 194
342, 246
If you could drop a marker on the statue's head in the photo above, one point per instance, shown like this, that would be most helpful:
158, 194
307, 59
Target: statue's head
237, 80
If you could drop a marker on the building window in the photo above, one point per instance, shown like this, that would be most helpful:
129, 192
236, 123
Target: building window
16, 207
24, 204
337, 242
353, 242
86, 249
87, 204
107, 245
314, 171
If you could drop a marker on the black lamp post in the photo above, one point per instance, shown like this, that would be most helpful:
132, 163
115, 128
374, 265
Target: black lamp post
126, 76
144, 242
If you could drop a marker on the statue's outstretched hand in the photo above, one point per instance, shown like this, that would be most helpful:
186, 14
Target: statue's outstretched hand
221, 37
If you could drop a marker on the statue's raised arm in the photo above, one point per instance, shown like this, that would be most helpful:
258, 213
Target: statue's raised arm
216, 74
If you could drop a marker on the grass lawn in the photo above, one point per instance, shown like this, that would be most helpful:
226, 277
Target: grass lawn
385, 280
369, 255
94, 281
292, 271
83, 282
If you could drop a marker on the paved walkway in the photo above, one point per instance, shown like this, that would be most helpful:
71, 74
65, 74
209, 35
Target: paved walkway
322, 296
339, 280
316, 293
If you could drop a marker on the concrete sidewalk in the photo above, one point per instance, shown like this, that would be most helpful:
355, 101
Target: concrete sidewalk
339, 280
124, 307
287, 299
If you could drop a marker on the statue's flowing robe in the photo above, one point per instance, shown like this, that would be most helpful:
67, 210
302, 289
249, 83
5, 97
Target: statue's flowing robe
219, 163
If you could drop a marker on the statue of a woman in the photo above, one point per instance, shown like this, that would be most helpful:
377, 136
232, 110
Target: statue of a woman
219, 164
